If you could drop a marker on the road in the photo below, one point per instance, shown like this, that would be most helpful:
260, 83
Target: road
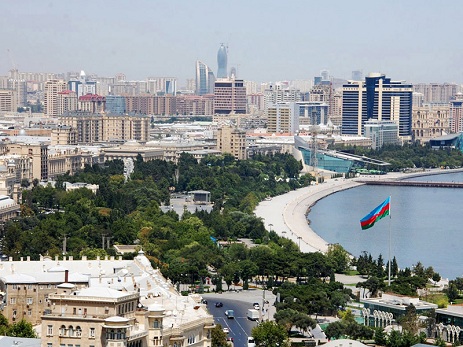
240, 327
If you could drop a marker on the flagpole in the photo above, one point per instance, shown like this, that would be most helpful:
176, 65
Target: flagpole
390, 217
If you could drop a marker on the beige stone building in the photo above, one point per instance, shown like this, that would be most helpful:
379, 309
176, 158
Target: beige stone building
67, 101
103, 302
37, 153
430, 121
7, 101
93, 128
131, 149
232, 140
64, 135
50, 101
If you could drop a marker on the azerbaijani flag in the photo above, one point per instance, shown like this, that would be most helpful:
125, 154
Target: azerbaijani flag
379, 212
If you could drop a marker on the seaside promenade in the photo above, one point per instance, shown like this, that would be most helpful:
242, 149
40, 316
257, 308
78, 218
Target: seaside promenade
286, 214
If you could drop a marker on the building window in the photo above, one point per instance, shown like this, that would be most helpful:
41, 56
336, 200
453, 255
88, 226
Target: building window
78, 332
15, 286
92, 332
29, 301
49, 344
62, 331
156, 324
50, 330
29, 312
12, 301
71, 330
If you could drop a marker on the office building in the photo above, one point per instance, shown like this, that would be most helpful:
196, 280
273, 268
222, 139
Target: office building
280, 92
222, 62
229, 96
82, 85
162, 85
313, 113
204, 79
232, 140
382, 132
430, 121
283, 118
50, 101
376, 98
115, 104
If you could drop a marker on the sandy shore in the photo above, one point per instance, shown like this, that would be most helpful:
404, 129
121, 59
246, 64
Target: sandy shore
287, 214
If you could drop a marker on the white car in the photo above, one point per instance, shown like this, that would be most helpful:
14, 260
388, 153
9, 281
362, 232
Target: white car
226, 330
251, 342
256, 306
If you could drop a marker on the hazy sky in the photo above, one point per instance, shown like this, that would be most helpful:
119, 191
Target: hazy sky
417, 41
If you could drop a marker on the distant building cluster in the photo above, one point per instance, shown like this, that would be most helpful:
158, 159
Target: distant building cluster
54, 123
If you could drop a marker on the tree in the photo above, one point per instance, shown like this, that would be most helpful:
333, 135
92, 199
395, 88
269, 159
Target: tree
373, 284
409, 321
380, 337
338, 257
22, 329
270, 334
218, 337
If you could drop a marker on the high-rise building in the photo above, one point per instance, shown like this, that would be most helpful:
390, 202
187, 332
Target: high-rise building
278, 92
20, 91
162, 85
67, 101
204, 79
436, 92
229, 96
50, 100
232, 140
376, 98
115, 104
283, 118
82, 85
456, 113
7, 101
222, 62
357, 75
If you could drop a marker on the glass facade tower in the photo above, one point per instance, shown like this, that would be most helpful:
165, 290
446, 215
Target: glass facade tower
222, 62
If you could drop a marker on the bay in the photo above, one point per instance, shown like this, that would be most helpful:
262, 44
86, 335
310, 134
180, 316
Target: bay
426, 224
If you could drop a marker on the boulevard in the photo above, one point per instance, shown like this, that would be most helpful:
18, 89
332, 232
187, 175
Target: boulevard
286, 214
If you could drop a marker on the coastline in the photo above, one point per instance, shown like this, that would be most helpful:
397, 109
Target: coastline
295, 206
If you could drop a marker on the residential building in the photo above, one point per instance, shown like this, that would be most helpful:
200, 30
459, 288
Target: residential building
20, 91
232, 140
378, 97
82, 85
430, 121
38, 155
456, 113
93, 128
436, 92
67, 101
283, 117
195, 104
92, 103
229, 96
280, 92
382, 132
204, 79
7, 101
313, 112
50, 101
162, 85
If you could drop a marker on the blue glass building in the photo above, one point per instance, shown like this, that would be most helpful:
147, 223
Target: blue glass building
222, 62
376, 98
204, 79
115, 104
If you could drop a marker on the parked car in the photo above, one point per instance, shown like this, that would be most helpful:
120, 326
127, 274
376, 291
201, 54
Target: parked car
218, 304
256, 306
230, 339
204, 301
226, 330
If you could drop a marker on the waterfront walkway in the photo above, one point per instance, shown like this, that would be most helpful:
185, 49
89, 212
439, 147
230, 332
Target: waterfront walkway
286, 214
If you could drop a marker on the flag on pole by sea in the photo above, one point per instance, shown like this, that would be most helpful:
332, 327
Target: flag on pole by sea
379, 212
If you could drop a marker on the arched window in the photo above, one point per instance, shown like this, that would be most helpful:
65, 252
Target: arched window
62, 330
78, 331
119, 335
71, 330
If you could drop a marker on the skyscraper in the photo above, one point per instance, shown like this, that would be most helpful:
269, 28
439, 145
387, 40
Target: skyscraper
376, 98
204, 79
222, 62
50, 100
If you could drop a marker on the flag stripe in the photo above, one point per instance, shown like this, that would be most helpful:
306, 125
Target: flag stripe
379, 212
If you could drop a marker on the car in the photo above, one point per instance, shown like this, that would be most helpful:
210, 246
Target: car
230, 339
226, 330
251, 342
256, 306
218, 304
204, 301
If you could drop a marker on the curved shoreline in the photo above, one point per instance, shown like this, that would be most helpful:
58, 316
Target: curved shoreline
295, 206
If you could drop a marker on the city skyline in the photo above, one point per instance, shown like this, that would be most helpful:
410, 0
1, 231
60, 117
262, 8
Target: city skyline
268, 41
